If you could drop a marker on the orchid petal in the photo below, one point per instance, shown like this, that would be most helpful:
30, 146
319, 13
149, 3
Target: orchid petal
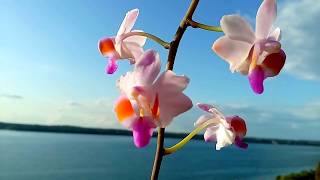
256, 78
272, 46
224, 137
112, 66
273, 63
172, 101
142, 131
237, 28
265, 17
125, 111
233, 51
275, 35
126, 83
205, 107
202, 119
133, 51
210, 134
238, 125
106, 47
244, 67
139, 40
239, 143
128, 50
128, 22
147, 67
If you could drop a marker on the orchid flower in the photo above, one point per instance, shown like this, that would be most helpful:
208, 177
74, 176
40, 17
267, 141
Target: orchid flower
148, 102
224, 130
116, 48
258, 55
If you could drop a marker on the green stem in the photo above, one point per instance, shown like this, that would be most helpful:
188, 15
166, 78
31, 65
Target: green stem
163, 43
184, 141
203, 26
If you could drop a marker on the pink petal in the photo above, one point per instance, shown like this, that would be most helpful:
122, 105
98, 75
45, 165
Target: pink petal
172, 101
237, 28
142, 131
210, 134
128, 22
147, 67
266, 15
205, 107
273, 63
256, 78
233, 51
272, 46
112, 66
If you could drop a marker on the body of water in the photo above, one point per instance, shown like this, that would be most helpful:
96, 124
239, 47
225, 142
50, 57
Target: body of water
49, 156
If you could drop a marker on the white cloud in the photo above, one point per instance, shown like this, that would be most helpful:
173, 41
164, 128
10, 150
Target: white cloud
91, 113
298, 20
310, 111
11, 96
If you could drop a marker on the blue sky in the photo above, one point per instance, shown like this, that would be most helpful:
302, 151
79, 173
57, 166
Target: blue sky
52, 73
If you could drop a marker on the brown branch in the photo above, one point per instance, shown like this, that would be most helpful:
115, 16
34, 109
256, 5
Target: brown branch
170, 63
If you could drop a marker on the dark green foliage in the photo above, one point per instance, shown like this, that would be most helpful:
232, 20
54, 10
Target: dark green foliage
317, 174
303, 175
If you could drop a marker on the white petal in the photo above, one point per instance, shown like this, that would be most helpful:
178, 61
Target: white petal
233, 51
237, 28
128, 22
275, 35
129, 49
225, 137
266, 15
126, 84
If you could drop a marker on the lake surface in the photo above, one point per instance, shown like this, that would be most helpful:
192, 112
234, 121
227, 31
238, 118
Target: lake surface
49, 156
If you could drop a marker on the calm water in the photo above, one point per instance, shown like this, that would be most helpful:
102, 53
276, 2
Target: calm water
47, 156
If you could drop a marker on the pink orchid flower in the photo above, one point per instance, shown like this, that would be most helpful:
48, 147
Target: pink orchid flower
148, 102
224, 130
116, 48
258, 55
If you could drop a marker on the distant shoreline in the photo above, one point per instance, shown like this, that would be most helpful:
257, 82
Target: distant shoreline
120, 132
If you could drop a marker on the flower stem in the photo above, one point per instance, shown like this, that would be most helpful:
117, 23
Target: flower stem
185, 140
163, 43
203, 26
173, 48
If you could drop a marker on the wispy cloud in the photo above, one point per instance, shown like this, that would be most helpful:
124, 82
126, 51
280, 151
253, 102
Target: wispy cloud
298, 21
294, 122
11, 96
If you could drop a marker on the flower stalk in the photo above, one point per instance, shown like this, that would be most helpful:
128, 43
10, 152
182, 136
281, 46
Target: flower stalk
195, 24
185, 140
156, 39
